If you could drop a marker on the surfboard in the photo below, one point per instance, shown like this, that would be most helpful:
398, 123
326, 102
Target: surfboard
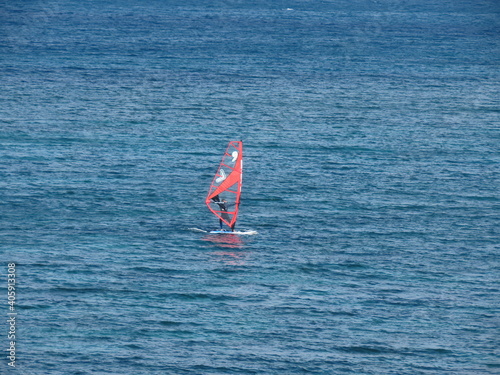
242, 232
245, 232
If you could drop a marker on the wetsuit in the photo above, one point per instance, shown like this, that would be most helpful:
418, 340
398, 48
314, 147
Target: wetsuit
224, 215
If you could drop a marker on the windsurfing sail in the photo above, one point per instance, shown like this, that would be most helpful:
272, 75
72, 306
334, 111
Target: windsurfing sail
223, 197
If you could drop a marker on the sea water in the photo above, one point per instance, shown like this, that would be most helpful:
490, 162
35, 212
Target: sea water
371, 174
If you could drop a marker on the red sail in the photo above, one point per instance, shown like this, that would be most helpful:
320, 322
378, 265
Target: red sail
223, 198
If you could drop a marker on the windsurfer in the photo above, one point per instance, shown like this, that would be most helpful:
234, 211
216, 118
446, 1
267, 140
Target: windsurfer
227, 182
223, 207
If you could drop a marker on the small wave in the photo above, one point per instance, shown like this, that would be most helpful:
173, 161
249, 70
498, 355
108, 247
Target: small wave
493, 365
169, 323
197, 230
365, 349
436, 351
246, 232
34, 307
133, 346
198, 296
76, 289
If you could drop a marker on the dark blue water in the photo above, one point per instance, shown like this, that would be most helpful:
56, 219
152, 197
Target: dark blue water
371, 133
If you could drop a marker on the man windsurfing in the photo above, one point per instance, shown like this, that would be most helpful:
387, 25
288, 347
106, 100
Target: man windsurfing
223, 207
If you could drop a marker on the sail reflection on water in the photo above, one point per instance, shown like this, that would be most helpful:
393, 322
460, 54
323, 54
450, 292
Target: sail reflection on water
225, 240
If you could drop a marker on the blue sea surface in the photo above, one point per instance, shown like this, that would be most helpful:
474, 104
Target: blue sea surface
371, 134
